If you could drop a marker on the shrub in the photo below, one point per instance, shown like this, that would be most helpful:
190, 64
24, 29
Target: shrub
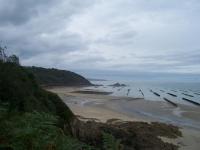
110, 143
35, 131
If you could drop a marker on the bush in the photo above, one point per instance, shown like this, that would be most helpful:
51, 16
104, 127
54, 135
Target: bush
35, 131
110, 143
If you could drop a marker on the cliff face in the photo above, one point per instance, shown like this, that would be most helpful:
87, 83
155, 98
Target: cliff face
55, 77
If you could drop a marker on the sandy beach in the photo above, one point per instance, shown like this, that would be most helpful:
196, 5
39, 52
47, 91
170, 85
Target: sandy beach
102, 107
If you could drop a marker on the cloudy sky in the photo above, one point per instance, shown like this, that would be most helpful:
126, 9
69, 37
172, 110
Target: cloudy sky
105, 36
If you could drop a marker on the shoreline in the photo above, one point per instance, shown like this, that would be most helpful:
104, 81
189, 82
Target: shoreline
101, 108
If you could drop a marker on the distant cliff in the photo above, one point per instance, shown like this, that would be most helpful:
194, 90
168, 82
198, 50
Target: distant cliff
55, 77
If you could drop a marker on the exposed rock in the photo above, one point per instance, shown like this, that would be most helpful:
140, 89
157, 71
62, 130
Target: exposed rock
118, 85
133, 135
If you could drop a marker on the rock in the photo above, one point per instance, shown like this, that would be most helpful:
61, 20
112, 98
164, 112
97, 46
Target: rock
118, 85
133, 135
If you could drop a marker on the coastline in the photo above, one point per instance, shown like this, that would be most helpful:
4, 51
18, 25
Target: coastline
104, 107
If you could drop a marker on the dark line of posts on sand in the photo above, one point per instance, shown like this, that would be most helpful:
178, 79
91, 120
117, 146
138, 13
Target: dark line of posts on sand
173, 90
191, 101
194, 92
172, 94
187, 95
128, 91
155, 93
167, 100
162, 91
197, 93
172, 103
141, 92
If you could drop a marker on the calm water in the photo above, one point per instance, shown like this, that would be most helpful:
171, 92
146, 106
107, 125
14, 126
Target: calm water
190, 91
147, 90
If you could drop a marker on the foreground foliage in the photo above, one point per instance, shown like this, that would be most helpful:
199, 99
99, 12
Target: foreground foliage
39, 131
34, 131
110, 143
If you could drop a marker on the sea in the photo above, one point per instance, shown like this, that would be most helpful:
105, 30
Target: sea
177, 92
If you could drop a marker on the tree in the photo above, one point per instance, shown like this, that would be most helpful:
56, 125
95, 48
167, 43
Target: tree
13, 59
3, 56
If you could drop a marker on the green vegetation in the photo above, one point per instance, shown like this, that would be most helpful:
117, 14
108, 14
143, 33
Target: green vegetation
20, 97
55, 77
110, 143
5, 58
34, 131
22, 93
32, 118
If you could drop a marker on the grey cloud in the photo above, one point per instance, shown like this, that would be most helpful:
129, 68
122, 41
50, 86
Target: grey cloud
182, 62
120, 37
91, 60
37, 27
127, 35
17, 12
33, 44
120, 34
185, 58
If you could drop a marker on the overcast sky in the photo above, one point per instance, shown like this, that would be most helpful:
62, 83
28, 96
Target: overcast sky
130, 36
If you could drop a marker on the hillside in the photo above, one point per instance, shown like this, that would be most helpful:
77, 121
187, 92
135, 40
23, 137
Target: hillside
22, 93
55, 77
34, 119
29, 114
20, 90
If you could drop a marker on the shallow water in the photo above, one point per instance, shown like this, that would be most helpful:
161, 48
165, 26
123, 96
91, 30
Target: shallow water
155, 92
147, 91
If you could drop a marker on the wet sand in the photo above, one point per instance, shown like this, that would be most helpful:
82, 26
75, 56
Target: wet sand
101, 107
